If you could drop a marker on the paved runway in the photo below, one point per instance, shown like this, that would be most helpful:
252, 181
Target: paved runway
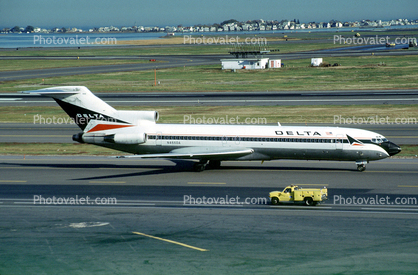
164, 62
78, 170
151, 230
168, 61
261, 98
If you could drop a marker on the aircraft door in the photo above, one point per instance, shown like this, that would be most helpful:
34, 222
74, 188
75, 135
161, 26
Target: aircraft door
158, 140
237, 140
224, 140
339, 142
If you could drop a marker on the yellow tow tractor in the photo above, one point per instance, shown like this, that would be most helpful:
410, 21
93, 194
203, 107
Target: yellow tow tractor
296, 194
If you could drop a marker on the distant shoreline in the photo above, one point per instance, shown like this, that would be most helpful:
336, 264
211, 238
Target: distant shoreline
126, 38
359, 28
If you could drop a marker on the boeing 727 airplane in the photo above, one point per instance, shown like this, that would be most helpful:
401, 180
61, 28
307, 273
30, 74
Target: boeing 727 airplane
138, 133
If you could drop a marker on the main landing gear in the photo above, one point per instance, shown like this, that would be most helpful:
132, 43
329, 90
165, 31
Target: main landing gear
201, 165
361, 165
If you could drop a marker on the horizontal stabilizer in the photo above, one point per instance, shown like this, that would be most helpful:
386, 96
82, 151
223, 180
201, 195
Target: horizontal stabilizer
56, 91
50, 93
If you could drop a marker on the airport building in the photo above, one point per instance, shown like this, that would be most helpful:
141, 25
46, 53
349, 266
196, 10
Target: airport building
242, 61
250, 63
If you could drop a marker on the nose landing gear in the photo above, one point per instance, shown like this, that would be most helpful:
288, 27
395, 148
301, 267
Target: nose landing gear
361, 165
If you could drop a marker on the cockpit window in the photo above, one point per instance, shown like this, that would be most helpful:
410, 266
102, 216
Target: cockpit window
379, 139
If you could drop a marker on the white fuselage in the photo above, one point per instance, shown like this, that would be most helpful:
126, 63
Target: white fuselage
268, 142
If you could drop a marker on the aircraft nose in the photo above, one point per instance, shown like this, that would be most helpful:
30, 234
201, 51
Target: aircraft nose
392, 148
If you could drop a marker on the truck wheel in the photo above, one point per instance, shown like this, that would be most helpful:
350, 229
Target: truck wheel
275, 201
309, 202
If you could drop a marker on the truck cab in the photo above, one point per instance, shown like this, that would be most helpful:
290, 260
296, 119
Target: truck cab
287, 194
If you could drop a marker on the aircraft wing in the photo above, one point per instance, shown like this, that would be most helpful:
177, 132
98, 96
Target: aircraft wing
199, 153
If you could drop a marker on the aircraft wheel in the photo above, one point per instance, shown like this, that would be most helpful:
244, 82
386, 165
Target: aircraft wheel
198, 167
214, 164
361, 167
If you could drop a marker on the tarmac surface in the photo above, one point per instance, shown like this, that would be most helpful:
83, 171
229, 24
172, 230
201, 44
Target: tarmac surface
171, 61
141, 217
261, 98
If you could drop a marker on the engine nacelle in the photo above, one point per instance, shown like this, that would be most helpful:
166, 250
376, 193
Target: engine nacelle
138, 117
126, 138
78, 137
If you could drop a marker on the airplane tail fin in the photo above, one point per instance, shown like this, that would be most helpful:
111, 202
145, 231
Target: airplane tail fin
83, 106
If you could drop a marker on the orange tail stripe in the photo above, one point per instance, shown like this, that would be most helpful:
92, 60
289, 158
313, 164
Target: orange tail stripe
104, 127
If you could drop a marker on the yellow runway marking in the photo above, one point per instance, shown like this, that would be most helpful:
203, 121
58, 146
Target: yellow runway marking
36, 168
412, 186
114, 182
170, 241
401, 172
400, 163
13, 181
276, 170
206, 183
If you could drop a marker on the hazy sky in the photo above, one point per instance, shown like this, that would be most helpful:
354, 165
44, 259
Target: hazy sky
95, 13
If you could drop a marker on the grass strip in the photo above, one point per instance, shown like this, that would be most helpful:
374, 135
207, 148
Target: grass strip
19, 65
263, 114
355, 73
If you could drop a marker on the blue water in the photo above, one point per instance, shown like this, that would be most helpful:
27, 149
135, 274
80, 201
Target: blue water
370, 48
25, 40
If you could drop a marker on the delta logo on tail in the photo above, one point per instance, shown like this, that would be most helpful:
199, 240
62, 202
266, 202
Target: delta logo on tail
83, 116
